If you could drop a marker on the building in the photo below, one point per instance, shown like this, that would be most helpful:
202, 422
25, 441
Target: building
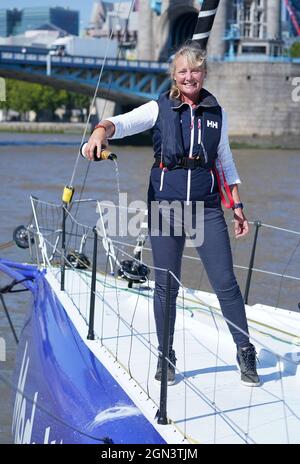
241, 27
117, 21
259, 27
8, 20
16, 22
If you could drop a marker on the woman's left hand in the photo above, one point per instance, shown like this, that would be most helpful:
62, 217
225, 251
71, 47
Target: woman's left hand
241, 225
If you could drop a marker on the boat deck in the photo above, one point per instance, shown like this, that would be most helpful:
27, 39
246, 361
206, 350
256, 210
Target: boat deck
208, 403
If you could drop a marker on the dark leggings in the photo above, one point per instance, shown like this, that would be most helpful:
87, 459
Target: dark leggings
216, 256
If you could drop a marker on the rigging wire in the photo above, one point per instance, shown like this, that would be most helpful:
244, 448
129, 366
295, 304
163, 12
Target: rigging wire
7, 244
96, 93
103, 110
216, 409
283, 273
12, 327
12, 387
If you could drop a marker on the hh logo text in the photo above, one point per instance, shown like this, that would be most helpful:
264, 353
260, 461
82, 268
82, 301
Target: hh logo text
213, 124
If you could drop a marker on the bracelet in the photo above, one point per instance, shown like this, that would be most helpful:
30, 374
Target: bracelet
237, 205
100, 125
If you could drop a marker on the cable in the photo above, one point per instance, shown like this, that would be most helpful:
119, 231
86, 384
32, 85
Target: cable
10, 385
12, 328
7, 244
281, 280
92, 104
96, 90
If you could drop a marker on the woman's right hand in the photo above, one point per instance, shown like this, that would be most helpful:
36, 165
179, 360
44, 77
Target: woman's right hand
98, 140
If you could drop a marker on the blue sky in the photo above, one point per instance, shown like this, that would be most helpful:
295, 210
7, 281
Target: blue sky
84, 6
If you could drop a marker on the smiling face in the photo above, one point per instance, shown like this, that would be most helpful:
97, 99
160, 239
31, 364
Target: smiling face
189, 79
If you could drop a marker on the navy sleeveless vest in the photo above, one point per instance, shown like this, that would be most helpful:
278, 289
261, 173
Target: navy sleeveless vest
169, 130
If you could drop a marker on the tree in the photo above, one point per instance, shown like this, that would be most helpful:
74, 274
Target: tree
44, 100
295, 50
17, 97
81, 102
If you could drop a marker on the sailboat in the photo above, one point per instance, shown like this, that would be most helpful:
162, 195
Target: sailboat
87, 353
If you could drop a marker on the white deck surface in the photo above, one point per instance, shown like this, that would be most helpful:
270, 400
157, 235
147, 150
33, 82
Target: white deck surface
214, 407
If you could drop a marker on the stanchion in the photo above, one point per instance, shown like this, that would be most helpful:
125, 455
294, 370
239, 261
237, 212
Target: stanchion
91, 334
250, 268
162, 412
63, 250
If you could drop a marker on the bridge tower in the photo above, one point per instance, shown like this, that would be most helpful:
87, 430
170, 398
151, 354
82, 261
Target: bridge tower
166, 24
259, 24
274, 19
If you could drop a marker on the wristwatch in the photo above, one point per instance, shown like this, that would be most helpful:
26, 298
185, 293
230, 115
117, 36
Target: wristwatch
238, 205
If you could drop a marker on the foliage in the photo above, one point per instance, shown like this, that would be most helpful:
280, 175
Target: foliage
295, 50
24, 97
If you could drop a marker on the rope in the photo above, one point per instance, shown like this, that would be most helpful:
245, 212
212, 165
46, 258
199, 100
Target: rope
280, 228
287, 265
10, 385
8, 288
12, 328
7, 244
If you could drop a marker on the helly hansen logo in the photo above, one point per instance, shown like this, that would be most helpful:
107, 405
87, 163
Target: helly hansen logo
212, 124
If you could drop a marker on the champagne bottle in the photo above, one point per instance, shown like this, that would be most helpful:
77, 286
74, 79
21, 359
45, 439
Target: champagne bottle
104, 154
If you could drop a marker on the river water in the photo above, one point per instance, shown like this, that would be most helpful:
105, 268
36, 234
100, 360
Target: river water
42, 164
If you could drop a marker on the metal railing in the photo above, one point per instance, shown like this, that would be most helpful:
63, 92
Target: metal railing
92, 290
38, 58
119, 63
57, 229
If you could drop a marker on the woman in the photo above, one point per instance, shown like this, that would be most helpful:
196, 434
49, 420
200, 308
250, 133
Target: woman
192, 153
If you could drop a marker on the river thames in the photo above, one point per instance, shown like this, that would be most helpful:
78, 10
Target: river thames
41, 164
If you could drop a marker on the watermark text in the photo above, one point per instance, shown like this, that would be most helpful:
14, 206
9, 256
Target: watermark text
161, 218
296, 90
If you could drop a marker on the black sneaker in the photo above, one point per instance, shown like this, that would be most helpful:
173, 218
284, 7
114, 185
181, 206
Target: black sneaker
246, 359
171, 369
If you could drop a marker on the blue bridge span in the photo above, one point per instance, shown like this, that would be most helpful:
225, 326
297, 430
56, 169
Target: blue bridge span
126, 82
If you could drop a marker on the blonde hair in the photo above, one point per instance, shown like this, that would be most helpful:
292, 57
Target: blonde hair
195, 56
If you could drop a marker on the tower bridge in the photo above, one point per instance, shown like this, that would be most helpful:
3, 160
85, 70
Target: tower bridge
245, 82
163, 29
126, 82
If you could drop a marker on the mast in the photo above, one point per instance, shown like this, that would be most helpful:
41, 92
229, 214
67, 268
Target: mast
205, 21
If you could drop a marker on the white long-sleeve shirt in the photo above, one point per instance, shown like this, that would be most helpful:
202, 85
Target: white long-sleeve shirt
144, 118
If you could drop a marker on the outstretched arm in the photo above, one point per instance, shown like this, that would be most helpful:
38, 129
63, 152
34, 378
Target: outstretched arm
133, 122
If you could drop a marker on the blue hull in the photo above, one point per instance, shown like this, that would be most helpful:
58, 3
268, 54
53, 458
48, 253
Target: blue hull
65, 395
